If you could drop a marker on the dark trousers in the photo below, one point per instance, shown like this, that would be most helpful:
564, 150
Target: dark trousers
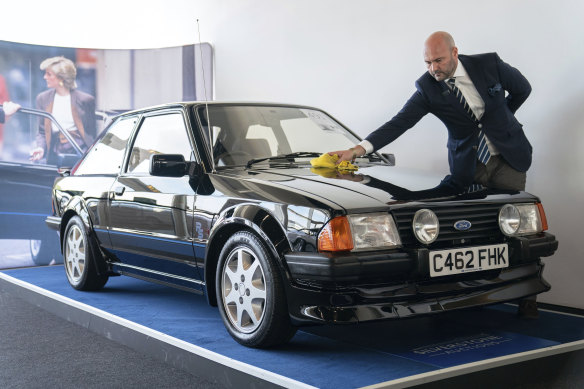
499, 174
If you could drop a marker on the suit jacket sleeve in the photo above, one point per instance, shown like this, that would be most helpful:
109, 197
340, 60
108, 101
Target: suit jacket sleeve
516, 85
411, 113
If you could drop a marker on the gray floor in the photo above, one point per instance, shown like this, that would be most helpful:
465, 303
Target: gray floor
563, 371
41, 350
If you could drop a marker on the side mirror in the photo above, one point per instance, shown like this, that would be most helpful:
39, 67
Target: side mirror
168, 165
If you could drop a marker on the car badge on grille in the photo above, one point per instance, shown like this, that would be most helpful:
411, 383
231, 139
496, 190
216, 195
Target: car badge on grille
462, 225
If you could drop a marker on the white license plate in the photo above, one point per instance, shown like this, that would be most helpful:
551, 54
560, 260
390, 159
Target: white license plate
468, 259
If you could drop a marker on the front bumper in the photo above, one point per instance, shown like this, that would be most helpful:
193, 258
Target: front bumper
365, 267
357, 288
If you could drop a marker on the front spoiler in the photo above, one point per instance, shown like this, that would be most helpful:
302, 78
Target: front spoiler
376, 302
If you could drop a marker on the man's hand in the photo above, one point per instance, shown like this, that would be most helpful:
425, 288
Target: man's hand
10, 108
350, 154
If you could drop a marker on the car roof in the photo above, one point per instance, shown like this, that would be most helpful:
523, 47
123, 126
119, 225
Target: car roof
185, 104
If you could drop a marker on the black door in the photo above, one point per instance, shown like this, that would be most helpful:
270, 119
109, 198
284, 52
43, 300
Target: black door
151, 218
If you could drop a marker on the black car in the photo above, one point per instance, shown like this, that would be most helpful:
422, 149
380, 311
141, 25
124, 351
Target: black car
221, 199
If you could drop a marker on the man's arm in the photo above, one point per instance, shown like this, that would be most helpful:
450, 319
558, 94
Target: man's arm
516, 85
411, 113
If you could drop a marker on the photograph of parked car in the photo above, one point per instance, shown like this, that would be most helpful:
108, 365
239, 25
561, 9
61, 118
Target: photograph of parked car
100, 87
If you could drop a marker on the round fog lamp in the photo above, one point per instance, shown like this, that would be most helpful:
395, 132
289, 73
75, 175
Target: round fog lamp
509, 219
425, 226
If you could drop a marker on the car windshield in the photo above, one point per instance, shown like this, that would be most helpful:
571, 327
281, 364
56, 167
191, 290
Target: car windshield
249, 132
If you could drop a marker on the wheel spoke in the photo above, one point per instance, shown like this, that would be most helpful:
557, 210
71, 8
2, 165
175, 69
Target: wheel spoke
257, 293
252, 312
231, 297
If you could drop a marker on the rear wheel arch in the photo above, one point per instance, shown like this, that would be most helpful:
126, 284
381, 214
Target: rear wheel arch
81, 257
76, 207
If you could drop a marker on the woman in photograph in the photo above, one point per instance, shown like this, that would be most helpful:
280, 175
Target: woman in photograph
74, 111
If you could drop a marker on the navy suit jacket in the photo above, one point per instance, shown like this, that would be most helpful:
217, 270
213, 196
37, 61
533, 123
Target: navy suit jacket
492, 78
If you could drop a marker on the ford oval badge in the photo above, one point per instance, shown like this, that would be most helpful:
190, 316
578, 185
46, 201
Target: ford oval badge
462, 225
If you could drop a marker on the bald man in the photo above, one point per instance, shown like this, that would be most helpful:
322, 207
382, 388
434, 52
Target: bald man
486, 143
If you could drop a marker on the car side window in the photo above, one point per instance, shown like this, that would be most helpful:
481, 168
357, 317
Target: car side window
107, 155
160, 134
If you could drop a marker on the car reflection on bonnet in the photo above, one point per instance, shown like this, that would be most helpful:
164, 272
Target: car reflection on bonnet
221, 200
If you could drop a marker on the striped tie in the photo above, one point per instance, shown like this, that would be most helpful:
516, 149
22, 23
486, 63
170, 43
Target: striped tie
483, 153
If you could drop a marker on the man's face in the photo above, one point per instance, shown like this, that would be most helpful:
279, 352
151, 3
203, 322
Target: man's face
441, 60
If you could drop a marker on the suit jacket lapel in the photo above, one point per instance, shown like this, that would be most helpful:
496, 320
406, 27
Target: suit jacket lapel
476, 76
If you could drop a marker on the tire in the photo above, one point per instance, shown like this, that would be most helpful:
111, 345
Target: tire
251, 296
80, 256
45, 251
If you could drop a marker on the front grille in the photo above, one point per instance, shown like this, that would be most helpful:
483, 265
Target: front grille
483, 217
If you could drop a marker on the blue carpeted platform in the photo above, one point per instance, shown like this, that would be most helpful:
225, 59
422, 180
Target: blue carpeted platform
393, 353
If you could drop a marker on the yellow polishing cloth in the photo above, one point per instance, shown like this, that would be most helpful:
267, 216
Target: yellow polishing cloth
325, 172
329, 161
347, 166
325, 160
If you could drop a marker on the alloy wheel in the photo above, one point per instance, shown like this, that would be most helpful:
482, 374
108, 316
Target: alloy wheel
75, 258
243, 286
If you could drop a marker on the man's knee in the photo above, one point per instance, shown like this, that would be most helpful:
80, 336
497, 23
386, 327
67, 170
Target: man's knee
503, 176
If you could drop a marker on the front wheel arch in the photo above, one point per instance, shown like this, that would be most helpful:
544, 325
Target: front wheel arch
270, 232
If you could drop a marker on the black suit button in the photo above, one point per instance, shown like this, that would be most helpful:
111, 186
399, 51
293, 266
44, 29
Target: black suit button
475, 147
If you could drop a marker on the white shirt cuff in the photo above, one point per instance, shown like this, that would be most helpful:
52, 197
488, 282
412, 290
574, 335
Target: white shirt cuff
367, 146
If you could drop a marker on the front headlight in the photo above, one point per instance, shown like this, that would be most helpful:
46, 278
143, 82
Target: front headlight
375, 231
426, 226
521, 219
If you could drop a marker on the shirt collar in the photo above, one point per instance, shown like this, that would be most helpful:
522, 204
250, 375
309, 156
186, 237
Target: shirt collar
460, 71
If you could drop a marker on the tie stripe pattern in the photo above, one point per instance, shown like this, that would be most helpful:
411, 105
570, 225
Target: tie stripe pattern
483, 153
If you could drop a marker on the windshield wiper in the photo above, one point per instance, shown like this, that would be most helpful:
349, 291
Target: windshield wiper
299, 154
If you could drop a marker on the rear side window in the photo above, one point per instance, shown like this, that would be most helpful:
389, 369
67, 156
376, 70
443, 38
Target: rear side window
161, 134
107, 155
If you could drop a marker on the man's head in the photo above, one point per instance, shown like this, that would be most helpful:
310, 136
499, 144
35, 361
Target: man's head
440, 55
